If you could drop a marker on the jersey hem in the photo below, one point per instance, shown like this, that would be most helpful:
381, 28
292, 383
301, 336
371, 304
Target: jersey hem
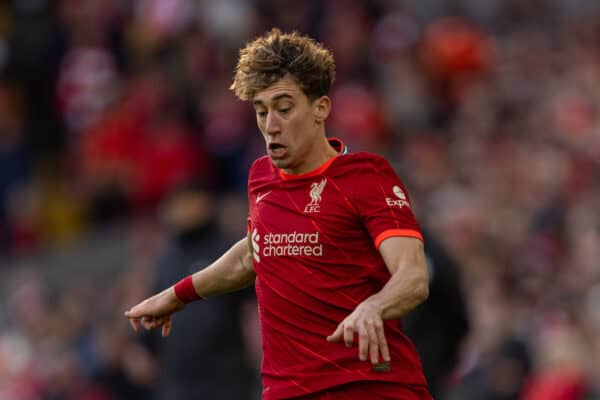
318, 384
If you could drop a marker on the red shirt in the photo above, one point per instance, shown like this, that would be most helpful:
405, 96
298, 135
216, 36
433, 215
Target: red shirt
316, 239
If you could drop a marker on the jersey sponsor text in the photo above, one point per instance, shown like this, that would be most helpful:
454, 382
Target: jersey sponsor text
292, 244
401, 202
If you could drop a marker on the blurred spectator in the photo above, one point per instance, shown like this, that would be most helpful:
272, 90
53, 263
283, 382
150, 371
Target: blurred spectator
15, 170
439, 325
86, 84
205, 354
560, 375
139, 150
357, 114
453, 52
501, 375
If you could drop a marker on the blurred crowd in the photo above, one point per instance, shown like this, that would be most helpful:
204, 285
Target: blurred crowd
488, 109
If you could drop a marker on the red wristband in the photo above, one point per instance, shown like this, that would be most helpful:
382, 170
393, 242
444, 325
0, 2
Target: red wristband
184, 290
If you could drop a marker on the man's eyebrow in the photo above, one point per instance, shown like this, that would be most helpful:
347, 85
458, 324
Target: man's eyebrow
275, 98
282, 96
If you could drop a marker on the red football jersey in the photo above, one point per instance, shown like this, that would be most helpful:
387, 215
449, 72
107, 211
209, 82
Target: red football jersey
315, 238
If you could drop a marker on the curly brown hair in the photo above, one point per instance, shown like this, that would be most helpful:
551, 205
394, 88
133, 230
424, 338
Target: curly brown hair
270, 57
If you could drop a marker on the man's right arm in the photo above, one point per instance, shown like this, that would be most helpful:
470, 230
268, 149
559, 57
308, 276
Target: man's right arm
232, 271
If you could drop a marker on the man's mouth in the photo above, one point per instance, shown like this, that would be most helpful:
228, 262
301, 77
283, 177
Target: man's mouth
276, 150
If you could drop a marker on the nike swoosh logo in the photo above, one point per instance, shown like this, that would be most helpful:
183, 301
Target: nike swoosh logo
262, 196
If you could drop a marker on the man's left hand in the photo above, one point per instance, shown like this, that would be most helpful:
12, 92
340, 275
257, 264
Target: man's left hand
365, 321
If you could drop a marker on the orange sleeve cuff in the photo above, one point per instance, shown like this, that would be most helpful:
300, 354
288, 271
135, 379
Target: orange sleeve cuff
397, 232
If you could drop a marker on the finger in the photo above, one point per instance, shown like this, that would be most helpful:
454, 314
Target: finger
159, 321
135, 312
336, 336
155, 322
383, 346
373, 343
166, 328
348, 335
135, 324
363, 342
147, 323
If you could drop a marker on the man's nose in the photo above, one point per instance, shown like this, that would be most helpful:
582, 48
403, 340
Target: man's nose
272, 123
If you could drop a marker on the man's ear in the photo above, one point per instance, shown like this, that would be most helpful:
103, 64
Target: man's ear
321, 108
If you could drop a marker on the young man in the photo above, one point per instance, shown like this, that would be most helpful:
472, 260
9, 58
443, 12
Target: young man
332, 246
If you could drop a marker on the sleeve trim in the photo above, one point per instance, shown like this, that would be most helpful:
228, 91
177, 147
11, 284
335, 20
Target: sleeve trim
397, 232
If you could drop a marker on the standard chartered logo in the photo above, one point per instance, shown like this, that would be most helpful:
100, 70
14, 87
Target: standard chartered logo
286, 244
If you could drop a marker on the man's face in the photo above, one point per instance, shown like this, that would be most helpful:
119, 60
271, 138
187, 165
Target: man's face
289, 123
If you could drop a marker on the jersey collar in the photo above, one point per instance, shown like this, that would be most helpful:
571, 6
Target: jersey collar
338, 146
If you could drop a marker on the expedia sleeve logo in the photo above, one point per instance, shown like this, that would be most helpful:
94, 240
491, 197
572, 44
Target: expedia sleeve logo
286, 244
401, 199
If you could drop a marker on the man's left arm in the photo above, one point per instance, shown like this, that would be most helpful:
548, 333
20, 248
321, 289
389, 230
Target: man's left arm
408, 287
409, 283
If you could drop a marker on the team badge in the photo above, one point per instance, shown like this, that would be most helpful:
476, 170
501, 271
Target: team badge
316, 190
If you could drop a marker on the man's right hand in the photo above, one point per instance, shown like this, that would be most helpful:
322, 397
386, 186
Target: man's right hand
155, 311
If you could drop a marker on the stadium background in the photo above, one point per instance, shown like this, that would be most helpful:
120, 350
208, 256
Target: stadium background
488, 109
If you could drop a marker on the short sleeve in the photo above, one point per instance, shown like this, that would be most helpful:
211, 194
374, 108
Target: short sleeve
383, 202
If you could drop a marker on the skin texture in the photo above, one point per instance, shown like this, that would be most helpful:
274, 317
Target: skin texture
292, 126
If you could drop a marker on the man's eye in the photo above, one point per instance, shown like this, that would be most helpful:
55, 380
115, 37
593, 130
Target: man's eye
261, 113
284, 110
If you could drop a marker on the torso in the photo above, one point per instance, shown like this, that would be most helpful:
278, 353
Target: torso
316, 260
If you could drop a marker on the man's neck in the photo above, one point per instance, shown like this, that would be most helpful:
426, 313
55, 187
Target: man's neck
319, 155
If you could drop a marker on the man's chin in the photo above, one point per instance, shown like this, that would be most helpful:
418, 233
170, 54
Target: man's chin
281, 163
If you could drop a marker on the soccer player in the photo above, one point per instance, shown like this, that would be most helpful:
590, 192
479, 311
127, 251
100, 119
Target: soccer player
332, 247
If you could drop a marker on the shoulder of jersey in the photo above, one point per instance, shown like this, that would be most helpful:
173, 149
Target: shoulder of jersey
261, 166
362, 161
